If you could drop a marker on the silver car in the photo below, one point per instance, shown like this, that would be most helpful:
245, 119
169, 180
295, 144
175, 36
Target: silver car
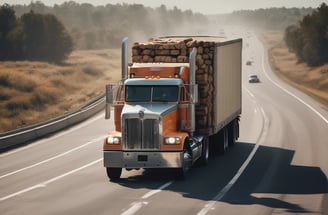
253, 79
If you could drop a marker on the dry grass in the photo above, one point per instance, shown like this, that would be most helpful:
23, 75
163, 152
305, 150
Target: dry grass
32, 92
311, 80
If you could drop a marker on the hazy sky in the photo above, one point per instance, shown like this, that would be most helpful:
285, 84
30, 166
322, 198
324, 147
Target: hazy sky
202, 6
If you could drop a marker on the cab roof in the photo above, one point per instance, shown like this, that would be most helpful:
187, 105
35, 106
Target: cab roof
153, 81
158, 65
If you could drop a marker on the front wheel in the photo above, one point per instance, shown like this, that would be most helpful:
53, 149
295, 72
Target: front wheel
186, 163
113, 173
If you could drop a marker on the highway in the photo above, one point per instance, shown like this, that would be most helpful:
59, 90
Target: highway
278, 166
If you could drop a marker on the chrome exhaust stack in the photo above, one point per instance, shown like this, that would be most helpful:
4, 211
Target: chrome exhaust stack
193, 91
109, 101
124, 59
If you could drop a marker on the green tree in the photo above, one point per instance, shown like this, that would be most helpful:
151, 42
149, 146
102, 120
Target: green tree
309, 40
45, 38
58, 42
15, 41
34, 32
7, 24
294, 40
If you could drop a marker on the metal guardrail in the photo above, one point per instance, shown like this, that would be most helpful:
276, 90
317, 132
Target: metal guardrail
25, 135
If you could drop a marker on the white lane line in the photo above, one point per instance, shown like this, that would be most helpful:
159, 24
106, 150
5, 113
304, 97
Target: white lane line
153, 192
290, 93
211, 204
250, 93
52, 158
136, 206
45, 183
41, 141
224, 191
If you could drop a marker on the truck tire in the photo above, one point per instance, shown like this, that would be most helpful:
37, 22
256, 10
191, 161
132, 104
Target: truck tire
203, 160
113, 173
216, 144
223, 140
232, 133
186, 162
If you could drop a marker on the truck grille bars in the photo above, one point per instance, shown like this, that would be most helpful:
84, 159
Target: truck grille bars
141, 134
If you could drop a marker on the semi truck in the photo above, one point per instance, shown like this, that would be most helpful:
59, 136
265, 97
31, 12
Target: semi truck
177, 102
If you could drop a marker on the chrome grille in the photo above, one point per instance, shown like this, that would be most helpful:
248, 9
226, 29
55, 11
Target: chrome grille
141, 134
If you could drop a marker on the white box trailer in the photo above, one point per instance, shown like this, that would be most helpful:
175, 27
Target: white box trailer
227, 78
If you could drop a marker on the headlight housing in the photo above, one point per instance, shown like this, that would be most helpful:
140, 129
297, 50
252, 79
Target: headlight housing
172, 140
113, 140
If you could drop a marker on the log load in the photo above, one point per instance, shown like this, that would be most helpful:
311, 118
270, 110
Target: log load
177, 50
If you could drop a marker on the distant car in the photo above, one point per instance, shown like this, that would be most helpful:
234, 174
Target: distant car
253, 79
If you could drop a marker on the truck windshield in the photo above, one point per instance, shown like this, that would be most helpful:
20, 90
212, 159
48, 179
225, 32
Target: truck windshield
151, 93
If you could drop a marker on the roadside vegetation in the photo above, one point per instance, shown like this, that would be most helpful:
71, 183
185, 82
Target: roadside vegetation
309, 39
311, 80
33, 91
300, 54
33, 36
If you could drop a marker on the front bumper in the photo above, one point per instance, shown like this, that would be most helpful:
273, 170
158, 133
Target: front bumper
131, 159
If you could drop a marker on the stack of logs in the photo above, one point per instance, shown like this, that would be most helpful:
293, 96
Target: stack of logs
175, 50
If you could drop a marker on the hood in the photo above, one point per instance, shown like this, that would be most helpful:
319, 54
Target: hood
139, 110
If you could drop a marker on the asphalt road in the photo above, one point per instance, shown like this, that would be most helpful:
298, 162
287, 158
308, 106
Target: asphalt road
280, 164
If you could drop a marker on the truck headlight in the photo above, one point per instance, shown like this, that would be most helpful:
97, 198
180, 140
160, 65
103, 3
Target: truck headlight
113, 140
172, 140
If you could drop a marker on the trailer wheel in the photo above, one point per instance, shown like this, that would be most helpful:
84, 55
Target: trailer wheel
203, 160
186, 162
232, 133
216, 144
113, 173
234, 128
223, 141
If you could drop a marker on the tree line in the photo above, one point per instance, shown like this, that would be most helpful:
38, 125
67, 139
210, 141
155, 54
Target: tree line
96, 27
36, 31
267, 19
33, 36
309, 39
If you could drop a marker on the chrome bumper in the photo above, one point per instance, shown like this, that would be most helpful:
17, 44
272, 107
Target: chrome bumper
143, 159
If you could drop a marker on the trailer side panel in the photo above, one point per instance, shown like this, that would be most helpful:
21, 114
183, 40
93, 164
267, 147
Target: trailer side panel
227, 78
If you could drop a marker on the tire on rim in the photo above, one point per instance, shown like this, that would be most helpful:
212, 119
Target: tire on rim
223, 140
113, 173
233, 132
186, 162
203, 160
